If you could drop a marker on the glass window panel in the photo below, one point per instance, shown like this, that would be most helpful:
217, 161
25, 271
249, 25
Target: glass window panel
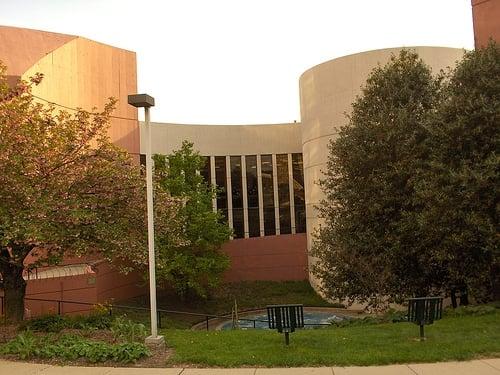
221, 181
237, 196
298, 193
268, 194
206, 171
283, 193
252, 196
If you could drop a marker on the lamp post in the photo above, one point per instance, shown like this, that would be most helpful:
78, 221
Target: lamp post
145, 101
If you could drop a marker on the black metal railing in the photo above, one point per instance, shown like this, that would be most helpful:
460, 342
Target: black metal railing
111, 308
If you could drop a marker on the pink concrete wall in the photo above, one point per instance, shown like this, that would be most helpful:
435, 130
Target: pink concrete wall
273, 258
486, 17
114, 285
79, 288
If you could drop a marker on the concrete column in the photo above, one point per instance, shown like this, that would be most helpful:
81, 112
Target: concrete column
245, 197
213, 181
229, 192
276, 199
261, 197
292, 197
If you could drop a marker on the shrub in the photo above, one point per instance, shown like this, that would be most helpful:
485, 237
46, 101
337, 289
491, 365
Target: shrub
127, 330
72, 347
45, 323
24, 345
56, 323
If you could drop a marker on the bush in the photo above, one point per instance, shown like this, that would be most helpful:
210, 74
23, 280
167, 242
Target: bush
56, 323
45, 323
127, 330
71, 347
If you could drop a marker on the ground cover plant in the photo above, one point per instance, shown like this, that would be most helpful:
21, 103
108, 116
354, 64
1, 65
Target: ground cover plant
92, 338
459, 337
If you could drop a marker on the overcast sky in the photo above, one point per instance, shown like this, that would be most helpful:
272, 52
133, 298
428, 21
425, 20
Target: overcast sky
239, 61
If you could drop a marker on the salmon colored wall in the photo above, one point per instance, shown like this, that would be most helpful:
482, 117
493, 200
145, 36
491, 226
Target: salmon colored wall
274, 258
111, 284
79, 288
21, 48
486, 17
78, 73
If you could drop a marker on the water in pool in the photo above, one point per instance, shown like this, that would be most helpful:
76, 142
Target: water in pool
311, 318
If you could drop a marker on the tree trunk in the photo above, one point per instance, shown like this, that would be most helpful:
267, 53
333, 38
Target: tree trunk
453, 298
15, 288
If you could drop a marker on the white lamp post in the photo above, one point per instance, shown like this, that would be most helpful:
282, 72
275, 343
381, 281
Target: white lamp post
145, 101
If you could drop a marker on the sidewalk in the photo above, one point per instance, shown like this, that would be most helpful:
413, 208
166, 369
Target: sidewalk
477, 367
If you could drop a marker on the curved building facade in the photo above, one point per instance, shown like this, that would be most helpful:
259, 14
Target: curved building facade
269, 172
326, 94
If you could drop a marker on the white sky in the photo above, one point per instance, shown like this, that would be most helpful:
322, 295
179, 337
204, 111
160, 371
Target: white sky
239, 61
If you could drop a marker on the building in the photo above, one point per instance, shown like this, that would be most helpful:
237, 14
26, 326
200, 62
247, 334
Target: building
269, 172
78, 72
486, 16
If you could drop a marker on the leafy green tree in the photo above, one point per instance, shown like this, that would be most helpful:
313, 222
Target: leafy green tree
65, 189
196, 264
369, 248
460, 186
411, 189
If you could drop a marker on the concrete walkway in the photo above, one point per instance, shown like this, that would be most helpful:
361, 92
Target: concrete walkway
477, 367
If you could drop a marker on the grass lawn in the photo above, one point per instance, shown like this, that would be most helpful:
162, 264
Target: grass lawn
248, 295
453, 338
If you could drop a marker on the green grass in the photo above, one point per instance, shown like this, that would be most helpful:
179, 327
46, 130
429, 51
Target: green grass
453, 338
249, 295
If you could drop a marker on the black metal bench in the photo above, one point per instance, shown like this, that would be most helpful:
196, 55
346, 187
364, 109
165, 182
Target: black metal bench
285, 318
425, 310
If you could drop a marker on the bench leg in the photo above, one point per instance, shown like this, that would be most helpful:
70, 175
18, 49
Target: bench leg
287, 338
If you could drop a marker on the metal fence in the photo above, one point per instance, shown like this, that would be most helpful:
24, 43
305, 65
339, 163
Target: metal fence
113, 308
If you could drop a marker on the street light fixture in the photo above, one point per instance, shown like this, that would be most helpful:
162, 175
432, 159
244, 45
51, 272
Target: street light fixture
145, 101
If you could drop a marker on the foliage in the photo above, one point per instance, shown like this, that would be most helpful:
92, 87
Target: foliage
449, 339
126, 330
459, 187
412, 184
195, 263
367, 239
56, 323
65, 189
72, 347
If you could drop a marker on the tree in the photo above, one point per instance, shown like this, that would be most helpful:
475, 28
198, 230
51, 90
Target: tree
369, 249
196, 264
460, 186
412, 185
65, 189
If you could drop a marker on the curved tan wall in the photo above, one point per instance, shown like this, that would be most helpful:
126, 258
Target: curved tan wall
212, 140
326, 93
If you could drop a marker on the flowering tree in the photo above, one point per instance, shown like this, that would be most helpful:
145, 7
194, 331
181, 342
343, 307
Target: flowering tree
65, 189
